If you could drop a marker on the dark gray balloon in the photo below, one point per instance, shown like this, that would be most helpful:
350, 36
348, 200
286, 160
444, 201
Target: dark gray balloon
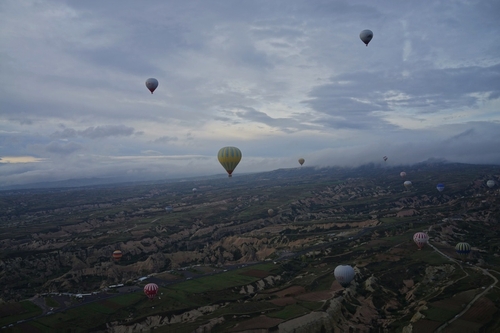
152, 84
366, 36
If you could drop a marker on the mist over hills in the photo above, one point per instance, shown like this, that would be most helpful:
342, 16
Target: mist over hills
365, 169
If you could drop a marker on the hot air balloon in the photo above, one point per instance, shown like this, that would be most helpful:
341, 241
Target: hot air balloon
152, 84
301, 161
117, 254
440, 187
151, 289
366, 36
463, 249
385, 158
420, 238
344, 274
229, 157
270, 212
407, 184
194, 190
402, 174
490, 183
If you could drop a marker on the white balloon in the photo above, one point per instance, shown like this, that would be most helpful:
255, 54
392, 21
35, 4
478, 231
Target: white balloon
344, 274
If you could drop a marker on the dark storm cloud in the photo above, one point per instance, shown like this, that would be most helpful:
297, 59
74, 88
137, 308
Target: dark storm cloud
287, 125
359, 122
22, 121
449, 87
129, 62
97, 132
478, 144
165, 139
257, 116
107, 130
65, 134
63, 148
225, 119
358, 95
465, 134
267, 31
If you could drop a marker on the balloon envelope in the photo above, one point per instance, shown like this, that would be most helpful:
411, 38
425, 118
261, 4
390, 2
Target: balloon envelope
407, 184
151, 289
463, 249
229, 157
420, 238
490, 183
440, 187
366, 36
195, 189
152, 84
270, 212
403, 174
344, 274
385, 158
117, 254
301, 161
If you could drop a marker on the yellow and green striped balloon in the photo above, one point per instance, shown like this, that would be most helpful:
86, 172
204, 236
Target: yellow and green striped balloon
463, 249
229, 157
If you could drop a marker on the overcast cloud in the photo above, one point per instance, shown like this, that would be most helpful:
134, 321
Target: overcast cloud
279, 79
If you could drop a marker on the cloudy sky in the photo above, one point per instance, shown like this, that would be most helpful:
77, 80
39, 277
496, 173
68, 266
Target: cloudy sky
278, 79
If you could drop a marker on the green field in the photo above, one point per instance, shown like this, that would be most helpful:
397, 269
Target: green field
289, 312
438, 314
13, 312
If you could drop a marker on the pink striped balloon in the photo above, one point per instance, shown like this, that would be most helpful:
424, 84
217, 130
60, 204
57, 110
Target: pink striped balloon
151, 289
420, 238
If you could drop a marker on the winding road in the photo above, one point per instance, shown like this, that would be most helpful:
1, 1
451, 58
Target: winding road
478, 296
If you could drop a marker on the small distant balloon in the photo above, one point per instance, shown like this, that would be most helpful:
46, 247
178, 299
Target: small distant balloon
344, 274
402, 174
195, 190
490, 183
407, 184
463, 249
151, 289
270, 212
385, 158
366, 36
420, 238
117, 254
152, 84
301, 161
440, 187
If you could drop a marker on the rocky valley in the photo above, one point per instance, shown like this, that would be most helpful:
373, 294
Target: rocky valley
256, 253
